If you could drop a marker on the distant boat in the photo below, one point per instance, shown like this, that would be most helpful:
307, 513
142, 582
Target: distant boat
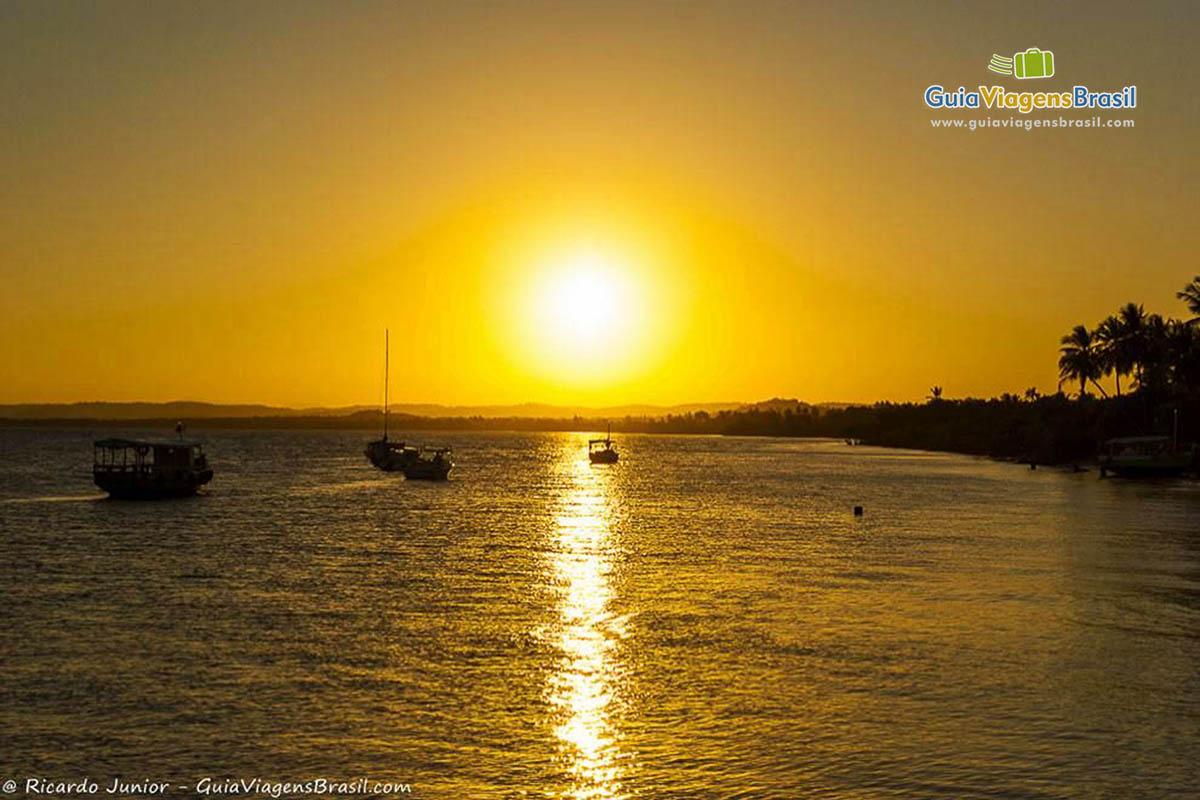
129, 469
430, 464
601, 451
1146, 457
388, 456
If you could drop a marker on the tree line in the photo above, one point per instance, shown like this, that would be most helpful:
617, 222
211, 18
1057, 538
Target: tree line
1153, 363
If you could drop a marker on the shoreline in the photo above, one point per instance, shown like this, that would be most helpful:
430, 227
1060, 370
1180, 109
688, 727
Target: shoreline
1051, 431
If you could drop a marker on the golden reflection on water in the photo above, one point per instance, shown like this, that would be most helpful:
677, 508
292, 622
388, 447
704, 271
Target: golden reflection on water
583, 689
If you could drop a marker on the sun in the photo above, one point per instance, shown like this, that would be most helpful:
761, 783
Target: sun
586, 303
579, 318
583, 310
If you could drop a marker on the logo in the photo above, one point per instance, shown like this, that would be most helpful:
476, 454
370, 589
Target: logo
1026, 65
1033, 63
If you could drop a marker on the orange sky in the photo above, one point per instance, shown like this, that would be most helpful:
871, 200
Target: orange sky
214, 203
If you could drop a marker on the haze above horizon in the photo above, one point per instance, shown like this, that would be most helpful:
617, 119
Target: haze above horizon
587, 204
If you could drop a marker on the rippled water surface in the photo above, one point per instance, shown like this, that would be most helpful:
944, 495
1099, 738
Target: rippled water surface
704, 618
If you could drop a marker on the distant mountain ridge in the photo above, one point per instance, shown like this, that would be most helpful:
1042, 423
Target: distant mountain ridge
189, 409
192, 409
547, 411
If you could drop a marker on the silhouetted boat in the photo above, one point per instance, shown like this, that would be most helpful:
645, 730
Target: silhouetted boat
1146, 457
430, 464
129, 469
388, 456
601, 451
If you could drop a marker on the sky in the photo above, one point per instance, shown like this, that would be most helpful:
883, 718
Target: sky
577, 203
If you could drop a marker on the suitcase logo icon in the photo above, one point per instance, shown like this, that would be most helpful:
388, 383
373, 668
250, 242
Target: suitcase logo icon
1033, 63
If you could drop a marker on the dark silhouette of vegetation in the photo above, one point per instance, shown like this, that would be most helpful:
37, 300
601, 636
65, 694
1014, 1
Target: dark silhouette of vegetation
1081, 360
1191, 296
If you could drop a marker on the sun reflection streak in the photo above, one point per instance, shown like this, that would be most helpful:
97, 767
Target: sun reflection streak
583, 688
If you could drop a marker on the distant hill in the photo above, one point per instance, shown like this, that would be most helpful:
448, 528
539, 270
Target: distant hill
777, 404
188, 409
544, 411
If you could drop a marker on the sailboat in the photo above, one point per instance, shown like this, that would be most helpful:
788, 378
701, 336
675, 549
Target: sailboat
386, 455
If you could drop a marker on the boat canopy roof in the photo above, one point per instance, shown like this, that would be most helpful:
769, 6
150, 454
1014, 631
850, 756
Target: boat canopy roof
117, 444
594, 442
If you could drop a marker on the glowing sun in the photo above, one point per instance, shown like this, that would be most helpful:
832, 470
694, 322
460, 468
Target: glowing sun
586, 303
580, 317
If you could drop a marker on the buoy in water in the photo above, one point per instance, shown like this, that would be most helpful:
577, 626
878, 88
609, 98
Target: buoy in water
858, 511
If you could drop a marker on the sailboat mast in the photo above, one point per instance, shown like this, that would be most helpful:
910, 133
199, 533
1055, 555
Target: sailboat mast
385, 383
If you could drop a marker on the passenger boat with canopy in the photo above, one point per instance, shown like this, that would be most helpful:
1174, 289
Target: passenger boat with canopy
1146, 457
132, 469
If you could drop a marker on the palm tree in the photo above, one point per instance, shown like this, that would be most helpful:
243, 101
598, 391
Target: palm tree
1135, 335
1155, 356
1183, 353
1109, 338
1032, 394
935, 394
1081, 360
1191, 296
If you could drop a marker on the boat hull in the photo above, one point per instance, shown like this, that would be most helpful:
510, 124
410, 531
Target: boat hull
603, 457
130, 485
1149, 468
424, 471
427, 467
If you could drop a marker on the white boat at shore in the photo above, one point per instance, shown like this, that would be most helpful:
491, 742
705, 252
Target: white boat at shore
1146, 457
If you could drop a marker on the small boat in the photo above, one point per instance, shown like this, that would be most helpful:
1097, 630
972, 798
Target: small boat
430, 464
1146, 457
386, 455
601, 451
130, 469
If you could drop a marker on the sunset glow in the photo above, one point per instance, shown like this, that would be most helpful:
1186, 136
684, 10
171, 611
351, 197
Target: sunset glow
540, 220
599, 399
